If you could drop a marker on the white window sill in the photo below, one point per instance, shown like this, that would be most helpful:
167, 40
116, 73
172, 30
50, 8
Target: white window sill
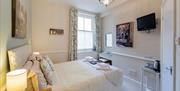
85, 51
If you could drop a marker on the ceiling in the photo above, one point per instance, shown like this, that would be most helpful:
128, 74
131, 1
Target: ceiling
91, 5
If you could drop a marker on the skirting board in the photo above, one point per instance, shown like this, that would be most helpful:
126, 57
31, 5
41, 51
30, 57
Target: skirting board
137, 82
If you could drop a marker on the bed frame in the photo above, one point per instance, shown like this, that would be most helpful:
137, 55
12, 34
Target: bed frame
18, 56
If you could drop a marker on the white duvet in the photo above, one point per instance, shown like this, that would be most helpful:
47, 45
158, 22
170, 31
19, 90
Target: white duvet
81, 76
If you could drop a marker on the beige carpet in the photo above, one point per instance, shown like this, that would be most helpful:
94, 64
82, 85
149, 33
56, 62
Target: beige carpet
129, 85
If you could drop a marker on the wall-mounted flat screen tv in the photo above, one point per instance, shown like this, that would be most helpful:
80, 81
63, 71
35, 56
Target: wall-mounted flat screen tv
147, 22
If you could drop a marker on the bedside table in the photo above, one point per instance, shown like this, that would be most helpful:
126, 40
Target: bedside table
150, 80
106, 57
103, 60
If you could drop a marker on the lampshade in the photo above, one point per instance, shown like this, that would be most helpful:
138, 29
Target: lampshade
17, 80
105, 2
36, 53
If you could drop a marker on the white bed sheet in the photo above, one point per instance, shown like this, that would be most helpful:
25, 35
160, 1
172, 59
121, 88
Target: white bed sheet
81, 76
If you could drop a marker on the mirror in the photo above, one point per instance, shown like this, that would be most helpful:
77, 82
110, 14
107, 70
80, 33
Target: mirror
108, 40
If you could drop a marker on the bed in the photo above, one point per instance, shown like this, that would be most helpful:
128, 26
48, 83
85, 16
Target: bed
73, 76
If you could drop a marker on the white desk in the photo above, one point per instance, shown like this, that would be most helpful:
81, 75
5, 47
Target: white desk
105, 55
150, 80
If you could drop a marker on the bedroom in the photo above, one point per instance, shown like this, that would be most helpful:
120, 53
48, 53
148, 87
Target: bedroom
46, 15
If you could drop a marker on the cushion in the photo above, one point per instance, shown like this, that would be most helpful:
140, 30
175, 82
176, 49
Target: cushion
48, 72
30, 85
41, 79
32, 58
49, 62
38, 57
35, 57
32, 80
28, 65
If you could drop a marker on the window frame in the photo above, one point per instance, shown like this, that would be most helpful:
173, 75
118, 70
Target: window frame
106, 40
93, 29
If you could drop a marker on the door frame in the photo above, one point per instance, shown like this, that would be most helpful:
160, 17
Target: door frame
177, 46
174, 45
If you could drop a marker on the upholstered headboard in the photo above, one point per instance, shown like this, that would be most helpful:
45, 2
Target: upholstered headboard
18, 56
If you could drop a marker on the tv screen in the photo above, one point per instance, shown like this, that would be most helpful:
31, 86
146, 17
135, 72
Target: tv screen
147, 22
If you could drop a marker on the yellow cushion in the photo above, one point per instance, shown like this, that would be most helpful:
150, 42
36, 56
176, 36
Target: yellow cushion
32, 84
46, 89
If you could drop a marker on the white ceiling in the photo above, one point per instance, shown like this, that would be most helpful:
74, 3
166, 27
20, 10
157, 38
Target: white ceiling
91, 5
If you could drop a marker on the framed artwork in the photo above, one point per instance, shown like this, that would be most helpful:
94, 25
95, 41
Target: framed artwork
124, 35
53, 31
19, 19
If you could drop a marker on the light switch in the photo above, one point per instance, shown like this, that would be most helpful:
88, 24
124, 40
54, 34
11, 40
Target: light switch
178, 41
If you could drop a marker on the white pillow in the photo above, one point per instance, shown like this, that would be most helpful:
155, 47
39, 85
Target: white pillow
28, 65
49, 62
32, 58
48, 72
35, 57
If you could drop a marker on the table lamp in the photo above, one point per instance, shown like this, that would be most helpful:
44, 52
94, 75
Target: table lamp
17, 80
36, 53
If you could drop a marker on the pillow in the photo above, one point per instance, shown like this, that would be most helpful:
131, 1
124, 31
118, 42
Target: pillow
48, 72
35, 57
32, 83
41, 79
38, 57
32, 80
49, 62
28, 65
32, 58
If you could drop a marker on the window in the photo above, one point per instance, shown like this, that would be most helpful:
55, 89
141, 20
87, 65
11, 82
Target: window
85, 31
108, 39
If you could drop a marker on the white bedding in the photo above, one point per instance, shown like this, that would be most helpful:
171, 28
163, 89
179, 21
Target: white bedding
81, 76
73, 76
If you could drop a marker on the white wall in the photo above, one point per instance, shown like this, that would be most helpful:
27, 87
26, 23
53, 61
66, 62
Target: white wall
6, 41
46, 15
145, 44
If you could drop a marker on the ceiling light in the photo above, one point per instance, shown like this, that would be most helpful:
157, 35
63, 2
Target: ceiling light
105, 2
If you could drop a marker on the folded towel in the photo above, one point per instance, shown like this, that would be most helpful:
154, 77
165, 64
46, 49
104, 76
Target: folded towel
103, 60
89, 59
103, 66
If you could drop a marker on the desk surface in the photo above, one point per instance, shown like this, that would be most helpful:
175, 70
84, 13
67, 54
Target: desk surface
106, 56
150, 70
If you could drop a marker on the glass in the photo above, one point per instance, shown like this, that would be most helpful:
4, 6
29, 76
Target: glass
80, 23
85, 40
87, 24
109, 42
